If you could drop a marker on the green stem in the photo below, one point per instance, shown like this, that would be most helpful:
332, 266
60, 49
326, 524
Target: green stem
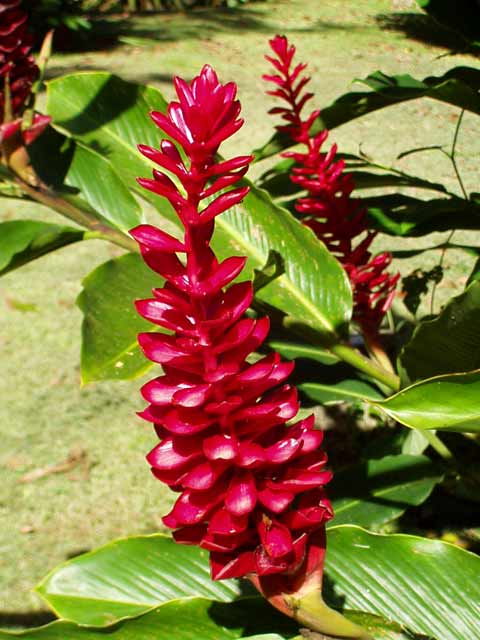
81, 217
348, 354
438, 445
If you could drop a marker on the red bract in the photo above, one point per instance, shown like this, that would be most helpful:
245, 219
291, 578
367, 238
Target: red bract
18, 72
328, 209
251, 487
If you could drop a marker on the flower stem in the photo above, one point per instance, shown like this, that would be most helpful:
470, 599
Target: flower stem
60, 205
351, 355
438, 445
311, 611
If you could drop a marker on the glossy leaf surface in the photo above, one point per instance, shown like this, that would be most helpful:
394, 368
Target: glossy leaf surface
85, 176
450, 403
109, 115
129, 576
429, 586
448, 344
184, 619
344, 391
110, 321
377, 491
22, 241
256, 228
296, 350
401, 215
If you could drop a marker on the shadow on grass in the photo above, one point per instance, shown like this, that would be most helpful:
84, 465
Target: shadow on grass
26, 620
425, 29
155, 28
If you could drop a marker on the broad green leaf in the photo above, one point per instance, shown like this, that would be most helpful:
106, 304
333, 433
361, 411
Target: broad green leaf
24, 240
448, 344
375, 492
183, 619
85, 177
429, 586
344, 391
103, 189
277, 180
294, 350
449, 403
458, 86
475, 274
382, 629
314, 291
110, 321
410, 253
400, 215
129, 576
110, 116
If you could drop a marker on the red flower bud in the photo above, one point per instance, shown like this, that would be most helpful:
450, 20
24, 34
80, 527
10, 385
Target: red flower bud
250, 485
328, 208
18, 72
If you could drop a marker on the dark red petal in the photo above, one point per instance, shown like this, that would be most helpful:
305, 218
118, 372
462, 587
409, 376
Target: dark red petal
220, 447
241, 496
276, 538
154, 238
231, 565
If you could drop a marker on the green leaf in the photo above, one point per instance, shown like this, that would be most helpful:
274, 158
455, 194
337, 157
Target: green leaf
110, 321
314, 290
129, 576
450, 403
344, 391
410, 253
295, 350
401, 215
381, 629
277, 180
429, 586
183, 619
426, 585
110, 116
103, 189
72, 168
116, 119
375, 492
458, 86
448, 344
22, 241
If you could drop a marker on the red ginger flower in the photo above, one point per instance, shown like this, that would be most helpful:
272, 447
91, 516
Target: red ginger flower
251, 487
18, 72
328, 208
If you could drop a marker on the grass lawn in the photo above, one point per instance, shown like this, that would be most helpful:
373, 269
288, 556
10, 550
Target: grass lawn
106, 491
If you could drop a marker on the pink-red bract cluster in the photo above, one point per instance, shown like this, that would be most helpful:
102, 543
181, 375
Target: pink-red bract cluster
251, 487
18, 72
328, 207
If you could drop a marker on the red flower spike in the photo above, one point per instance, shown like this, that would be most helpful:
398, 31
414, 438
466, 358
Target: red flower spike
243, 474
18, 72
328, 208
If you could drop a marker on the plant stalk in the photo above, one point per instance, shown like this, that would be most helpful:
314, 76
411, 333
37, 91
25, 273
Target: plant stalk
438, 445
351, 355
81, 217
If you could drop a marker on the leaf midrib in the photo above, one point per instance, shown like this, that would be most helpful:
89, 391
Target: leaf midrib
380, 493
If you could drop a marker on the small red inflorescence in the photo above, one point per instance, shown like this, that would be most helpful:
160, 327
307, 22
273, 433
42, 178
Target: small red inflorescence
251, 486
328, 207
18, 72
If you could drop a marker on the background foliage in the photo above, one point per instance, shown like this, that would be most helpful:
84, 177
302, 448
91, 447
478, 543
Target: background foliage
396, 474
